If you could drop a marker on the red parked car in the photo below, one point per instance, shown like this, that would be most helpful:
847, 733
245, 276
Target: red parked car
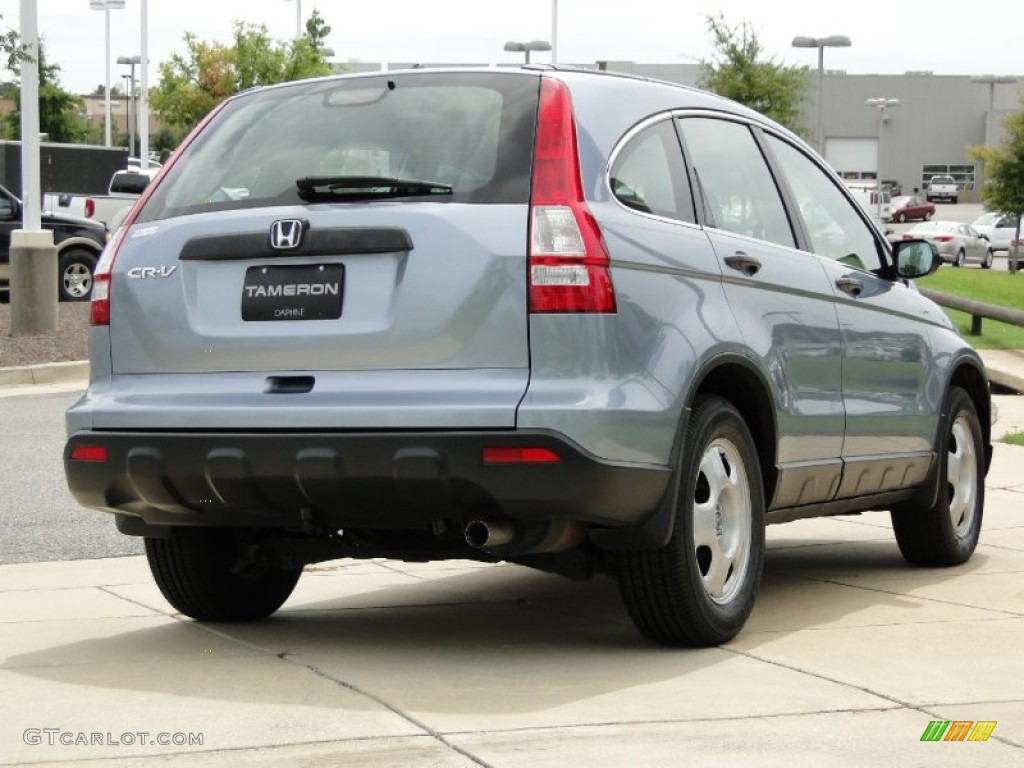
909, 207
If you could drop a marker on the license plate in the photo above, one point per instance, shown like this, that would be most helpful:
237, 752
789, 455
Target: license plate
293, 292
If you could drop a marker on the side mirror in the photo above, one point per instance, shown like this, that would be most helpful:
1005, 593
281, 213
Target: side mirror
915, 258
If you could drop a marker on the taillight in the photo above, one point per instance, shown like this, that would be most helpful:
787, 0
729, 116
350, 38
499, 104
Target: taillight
943, 238
99, 312
90, 207
569, 265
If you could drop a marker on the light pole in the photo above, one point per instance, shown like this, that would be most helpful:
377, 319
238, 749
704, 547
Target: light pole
554, 31
131, 61
991, 81
533, 45
106, 6
881, 105
298, 17
821, 43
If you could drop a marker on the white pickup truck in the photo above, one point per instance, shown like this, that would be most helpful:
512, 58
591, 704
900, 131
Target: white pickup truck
942, 188
125, 188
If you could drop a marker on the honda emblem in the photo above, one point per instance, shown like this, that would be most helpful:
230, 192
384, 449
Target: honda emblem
286, 234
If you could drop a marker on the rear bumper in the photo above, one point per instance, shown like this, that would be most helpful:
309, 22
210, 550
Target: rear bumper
400, 480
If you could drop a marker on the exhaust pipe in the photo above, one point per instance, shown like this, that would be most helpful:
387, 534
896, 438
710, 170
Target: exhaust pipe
504, 538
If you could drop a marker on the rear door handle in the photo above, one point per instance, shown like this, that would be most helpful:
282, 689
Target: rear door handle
748, 265
850, 285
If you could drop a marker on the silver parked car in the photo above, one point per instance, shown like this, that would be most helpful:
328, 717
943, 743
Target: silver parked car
999, 228
568, 319
956, 243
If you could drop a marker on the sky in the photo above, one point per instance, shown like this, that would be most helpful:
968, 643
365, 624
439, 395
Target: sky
887, 37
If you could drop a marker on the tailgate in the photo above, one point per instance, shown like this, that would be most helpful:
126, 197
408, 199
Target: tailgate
187, 294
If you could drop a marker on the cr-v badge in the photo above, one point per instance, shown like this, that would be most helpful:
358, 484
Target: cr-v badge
141, 273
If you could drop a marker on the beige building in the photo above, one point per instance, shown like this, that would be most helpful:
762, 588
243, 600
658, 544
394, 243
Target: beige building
121, 113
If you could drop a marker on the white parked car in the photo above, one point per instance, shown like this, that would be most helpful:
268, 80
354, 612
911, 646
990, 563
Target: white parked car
999, 228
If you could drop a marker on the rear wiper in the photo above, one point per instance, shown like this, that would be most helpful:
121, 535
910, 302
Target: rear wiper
321, 188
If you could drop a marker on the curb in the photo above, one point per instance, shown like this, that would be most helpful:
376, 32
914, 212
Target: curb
1004, 367
45, 373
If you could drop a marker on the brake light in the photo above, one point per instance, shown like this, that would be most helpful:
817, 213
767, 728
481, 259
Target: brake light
99, 311
943, 238
90, 207
568, 264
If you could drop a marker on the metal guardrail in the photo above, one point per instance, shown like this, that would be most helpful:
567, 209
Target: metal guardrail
976, 309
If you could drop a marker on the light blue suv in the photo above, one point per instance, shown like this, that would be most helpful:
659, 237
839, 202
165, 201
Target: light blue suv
573, 320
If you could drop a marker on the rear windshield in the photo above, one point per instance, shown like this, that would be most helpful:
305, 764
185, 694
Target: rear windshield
473, 131
128, 182
942, 180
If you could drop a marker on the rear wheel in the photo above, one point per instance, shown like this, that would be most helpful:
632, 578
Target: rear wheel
961, 257
74, 273
947, 532
204, 575
699, 588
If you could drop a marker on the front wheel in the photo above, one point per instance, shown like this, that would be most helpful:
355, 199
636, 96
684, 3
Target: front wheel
989, 257
900, 218
699, 589
947, 532
927, 215
204, 574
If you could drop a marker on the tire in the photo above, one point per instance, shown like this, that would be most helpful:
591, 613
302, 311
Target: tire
699, 589
74, 275
901, 217
989, 258
947, 533
927, 215
201, 573
955, 199
961, 257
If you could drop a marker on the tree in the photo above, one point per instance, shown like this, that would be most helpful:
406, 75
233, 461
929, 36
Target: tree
61, 113
739, 72
1003, 187
193, 83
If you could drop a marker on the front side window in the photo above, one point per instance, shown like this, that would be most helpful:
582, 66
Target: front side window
834, 226
737, 189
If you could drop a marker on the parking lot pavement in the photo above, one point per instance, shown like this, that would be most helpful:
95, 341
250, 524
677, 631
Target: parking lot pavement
847, 658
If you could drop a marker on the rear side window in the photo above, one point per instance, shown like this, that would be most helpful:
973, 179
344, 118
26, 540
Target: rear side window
473, 131
736, 186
